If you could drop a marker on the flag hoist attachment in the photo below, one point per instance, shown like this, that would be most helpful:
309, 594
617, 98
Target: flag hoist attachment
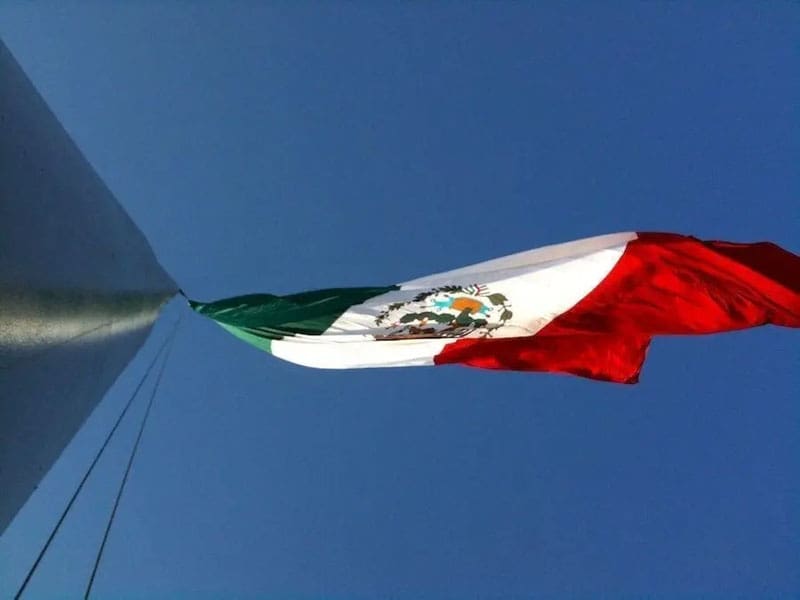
588, 308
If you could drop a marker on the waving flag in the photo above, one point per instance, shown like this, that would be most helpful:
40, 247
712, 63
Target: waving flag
587, 308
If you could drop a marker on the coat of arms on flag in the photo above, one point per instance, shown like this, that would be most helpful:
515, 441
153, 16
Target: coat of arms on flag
449, 311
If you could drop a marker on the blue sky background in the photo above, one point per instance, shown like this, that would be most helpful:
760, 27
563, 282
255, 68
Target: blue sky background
282, 147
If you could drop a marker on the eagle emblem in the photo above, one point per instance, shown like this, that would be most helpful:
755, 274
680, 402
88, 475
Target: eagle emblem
445, 312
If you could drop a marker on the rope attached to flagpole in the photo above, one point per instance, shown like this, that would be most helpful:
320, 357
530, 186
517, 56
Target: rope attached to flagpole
94, 462
131, 458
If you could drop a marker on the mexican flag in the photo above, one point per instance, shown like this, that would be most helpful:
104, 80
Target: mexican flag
588, 308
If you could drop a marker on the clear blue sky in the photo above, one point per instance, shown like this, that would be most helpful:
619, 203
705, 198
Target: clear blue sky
285, 147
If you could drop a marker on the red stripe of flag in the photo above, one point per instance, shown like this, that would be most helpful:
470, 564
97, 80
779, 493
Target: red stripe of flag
664, 284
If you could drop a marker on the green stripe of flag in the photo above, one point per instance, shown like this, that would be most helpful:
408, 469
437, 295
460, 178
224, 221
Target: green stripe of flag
260, 318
